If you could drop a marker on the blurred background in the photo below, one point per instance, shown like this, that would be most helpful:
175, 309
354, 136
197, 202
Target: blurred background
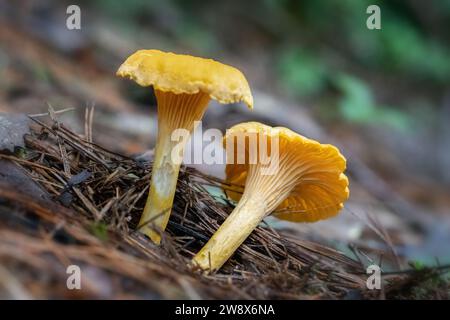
382, 96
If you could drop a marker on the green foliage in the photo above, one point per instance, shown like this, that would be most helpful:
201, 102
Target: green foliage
100, 230
405, 50
399, 47
301, 72
358, 105
313, 42
417, 265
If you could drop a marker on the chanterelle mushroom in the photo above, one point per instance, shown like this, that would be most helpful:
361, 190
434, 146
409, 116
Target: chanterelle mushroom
183, 87
309, 185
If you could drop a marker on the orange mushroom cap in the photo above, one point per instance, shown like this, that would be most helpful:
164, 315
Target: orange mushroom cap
179, 73
316, 171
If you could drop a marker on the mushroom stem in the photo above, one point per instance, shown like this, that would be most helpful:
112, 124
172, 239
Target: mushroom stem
262, 194
231, 234
163, 184
175, 111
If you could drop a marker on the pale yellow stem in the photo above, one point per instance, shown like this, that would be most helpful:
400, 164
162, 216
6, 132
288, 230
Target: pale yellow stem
163, 184
175, 111
231, 234
262, 194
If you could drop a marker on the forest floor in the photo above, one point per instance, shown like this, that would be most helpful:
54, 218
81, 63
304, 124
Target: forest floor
72, 187
67, 201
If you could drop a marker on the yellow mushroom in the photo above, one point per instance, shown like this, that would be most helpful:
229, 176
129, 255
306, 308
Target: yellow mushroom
308, 185
183, 87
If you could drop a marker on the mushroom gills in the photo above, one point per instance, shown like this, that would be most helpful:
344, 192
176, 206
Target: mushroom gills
309, 181
262, 194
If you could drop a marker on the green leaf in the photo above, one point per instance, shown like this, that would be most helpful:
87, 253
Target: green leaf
357, 103
301, 72
100, 230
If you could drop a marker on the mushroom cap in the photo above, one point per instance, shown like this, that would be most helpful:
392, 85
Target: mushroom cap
320, 190
179, 73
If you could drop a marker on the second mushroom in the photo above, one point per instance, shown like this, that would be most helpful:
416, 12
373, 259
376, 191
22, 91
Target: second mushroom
308, 184
183, 87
